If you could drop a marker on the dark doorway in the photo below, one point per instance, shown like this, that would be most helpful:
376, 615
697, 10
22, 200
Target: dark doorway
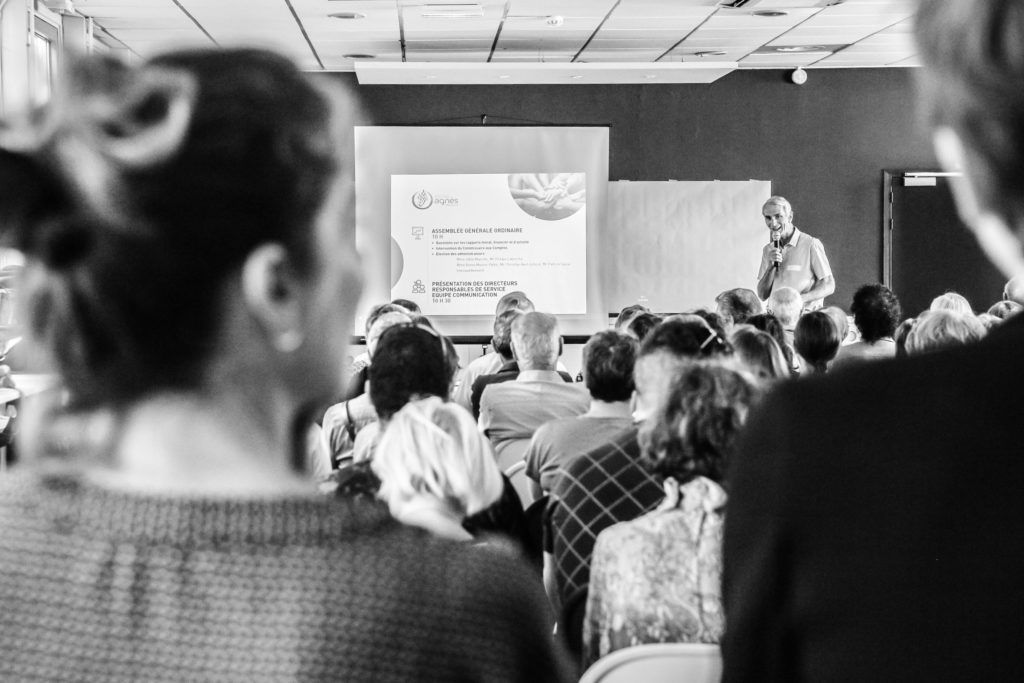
928, 250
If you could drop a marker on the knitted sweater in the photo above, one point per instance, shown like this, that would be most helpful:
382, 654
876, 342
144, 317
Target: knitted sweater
111, 586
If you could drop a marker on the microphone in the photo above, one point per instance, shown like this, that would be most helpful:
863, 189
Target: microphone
776, 244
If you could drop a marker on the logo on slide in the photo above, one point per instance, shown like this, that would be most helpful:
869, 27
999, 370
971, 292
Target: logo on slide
422, 199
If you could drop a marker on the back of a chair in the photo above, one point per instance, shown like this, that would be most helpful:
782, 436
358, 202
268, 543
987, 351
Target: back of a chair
517, 475
658, 663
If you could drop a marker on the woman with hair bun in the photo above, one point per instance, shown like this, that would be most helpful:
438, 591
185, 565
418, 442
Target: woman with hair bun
190, 271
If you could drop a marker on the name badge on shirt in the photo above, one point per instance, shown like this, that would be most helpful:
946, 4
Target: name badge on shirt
793, 267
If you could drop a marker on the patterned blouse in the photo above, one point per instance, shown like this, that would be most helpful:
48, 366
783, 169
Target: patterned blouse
657, 579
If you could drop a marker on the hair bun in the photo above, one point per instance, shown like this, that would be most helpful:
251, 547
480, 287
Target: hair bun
144, 122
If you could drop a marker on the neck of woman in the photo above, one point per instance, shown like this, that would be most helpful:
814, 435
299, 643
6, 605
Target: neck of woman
205, 444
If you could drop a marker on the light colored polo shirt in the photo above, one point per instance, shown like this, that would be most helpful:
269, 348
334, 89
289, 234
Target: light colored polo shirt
803, 264
511, 412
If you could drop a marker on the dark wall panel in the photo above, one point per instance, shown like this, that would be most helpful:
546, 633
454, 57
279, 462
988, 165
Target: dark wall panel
824, 144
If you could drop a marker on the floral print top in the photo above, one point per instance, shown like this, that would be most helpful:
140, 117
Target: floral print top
657, 579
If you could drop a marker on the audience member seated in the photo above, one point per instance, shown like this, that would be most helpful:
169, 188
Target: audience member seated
876, 312
627, 314
847, 334
343, 421
490, 362
511, 412
609, 484
951, 301
735, 306
642, 324
357, 371
189, 545
817, 341
939, 329
608, 359
435, 467
786, 304
411, 361
766, 322
657, 578
1004, 309
760, 354
502, 342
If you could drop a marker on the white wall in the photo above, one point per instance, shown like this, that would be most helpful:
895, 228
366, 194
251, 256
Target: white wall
14, 56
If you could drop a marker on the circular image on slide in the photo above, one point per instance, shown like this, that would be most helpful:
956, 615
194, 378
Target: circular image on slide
548, 196
397, 263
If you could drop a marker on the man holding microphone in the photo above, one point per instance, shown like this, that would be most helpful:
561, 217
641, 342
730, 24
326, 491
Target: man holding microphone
792, 258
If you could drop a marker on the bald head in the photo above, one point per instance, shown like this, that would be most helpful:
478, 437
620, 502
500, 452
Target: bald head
536, 343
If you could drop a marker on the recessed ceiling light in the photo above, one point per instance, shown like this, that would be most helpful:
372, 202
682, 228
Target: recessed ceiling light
504, 76
769, 13
347, 15
358, 55
576, 77
709, 53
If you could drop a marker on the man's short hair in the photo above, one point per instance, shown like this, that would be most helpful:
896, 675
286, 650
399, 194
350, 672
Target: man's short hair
502, 339
779, 201
642, 324
408, 305
514, 299
536, 340
944, 328
785, 304
972, 82
877, 312
739, 304
627, 314
383, 309
608, 359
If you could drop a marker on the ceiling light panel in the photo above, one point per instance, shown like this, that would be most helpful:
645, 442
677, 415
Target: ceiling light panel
462, 56
415, 23
565, 8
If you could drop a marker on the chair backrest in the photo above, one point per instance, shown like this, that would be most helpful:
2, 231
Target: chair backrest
658, 663
533, 539
516, 473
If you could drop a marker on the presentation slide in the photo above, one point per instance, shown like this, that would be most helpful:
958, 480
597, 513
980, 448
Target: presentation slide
452, 217
460, 241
